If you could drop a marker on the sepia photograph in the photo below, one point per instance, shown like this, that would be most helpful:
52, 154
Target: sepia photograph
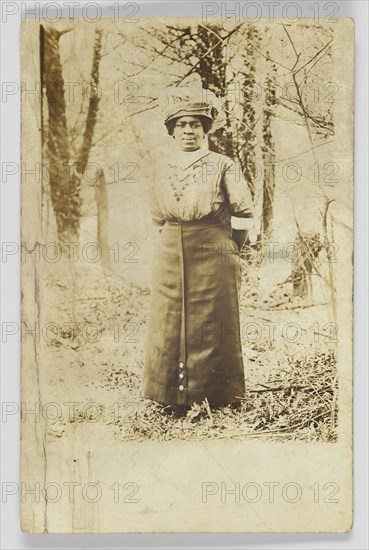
187, 234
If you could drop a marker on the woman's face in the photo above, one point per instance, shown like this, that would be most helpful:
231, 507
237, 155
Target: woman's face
189, 133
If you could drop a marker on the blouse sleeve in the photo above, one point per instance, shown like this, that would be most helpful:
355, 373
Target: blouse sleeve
237, 191
238, 195
156, 214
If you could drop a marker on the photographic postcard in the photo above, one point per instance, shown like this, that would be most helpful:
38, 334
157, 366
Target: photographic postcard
187, 277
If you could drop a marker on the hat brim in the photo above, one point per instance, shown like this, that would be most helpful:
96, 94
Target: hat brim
190, 112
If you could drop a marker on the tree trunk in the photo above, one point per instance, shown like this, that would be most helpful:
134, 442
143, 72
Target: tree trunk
64, 195
246, 133
212, 70
93, 107
103, 220
65, 173
268, 153
306, 249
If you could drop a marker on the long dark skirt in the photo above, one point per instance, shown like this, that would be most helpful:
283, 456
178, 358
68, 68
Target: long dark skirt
193, 346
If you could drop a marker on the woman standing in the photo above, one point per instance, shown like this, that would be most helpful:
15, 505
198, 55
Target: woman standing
193, 347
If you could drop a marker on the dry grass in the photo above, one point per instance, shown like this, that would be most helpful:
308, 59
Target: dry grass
296, 403
291, 389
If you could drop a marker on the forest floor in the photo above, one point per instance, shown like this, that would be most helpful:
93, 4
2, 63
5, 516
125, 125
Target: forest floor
93, 357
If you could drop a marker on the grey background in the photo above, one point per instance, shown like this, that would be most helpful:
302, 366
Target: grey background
12, 537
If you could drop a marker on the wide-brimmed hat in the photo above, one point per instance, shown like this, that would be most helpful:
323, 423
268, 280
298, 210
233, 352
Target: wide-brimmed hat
186, 101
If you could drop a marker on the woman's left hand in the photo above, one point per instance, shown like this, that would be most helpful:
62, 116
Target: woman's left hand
239, 236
